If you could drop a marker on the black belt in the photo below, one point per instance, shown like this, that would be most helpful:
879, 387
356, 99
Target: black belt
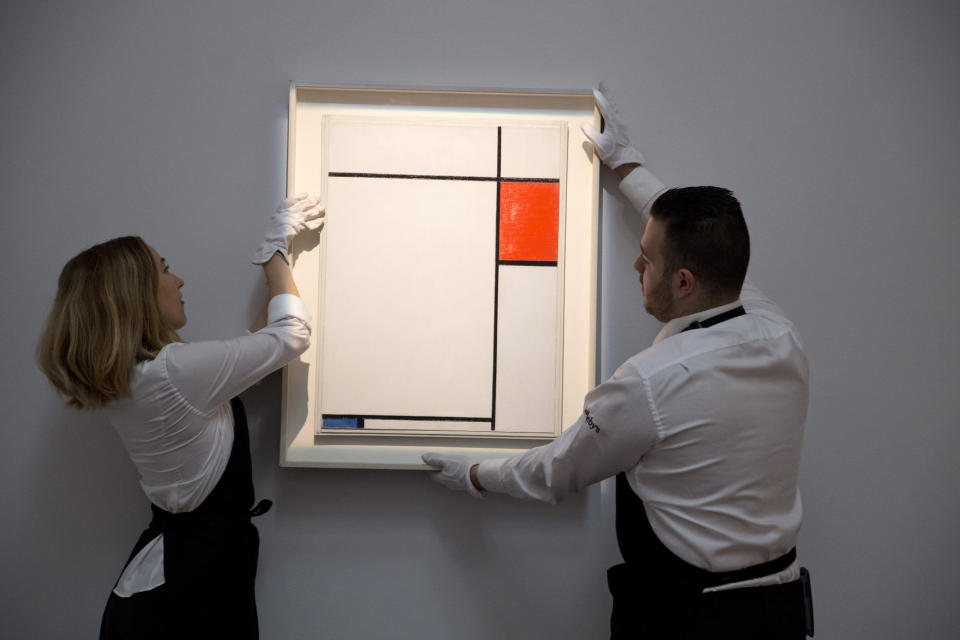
719, 578
163, 519
690, 579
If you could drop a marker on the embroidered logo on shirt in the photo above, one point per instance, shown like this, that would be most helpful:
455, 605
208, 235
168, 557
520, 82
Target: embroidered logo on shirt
590, 423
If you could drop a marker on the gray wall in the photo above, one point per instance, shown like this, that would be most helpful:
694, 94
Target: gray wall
836, 123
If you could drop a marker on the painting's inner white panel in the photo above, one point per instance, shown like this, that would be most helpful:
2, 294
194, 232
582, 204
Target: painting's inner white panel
407, 307
533, 151
427, 425
527, 377
371, 145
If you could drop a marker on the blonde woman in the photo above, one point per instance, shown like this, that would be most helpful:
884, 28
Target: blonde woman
111, 343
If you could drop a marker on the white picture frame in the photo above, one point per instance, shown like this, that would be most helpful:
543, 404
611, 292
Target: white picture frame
304, 440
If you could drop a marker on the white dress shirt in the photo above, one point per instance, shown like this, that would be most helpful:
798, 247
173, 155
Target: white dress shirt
177, 424
707, 424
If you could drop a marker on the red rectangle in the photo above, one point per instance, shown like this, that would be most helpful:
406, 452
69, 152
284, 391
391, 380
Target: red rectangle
529, 220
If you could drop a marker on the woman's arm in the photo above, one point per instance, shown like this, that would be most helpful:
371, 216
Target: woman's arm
209, 373
279, 280
279, 276
294, 215
206, 374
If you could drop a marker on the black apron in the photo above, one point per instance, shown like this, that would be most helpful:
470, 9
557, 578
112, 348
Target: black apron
209, 562
657, 595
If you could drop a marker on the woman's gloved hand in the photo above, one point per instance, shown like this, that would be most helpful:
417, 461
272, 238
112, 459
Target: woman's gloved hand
295, 214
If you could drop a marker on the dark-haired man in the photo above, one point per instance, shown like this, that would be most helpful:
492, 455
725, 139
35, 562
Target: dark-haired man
703, 430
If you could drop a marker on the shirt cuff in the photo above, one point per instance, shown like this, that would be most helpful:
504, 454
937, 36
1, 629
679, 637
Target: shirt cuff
642, 188
286, 305
488, 473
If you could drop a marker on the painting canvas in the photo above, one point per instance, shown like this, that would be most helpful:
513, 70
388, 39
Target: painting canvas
441, 277
453, 289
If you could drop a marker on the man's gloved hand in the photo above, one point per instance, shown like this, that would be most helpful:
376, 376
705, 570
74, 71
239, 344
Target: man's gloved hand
613, 146
294, 215
454, 472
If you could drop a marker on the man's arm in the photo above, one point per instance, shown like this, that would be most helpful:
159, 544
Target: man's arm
616, 428
642, 188
614, 148
624, 170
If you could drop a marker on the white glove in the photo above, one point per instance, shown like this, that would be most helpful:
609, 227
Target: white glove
613, 146
292, 216
454, 472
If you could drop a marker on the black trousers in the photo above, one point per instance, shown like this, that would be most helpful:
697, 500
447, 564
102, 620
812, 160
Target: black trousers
663, 611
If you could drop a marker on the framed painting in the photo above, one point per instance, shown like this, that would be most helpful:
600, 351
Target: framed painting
453, 287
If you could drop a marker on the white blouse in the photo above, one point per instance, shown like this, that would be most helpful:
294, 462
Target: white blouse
177, 425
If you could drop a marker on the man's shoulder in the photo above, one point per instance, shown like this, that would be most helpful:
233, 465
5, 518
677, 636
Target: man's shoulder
720, 341
655, 359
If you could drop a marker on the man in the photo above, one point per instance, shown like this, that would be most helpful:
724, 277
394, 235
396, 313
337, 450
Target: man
703, 430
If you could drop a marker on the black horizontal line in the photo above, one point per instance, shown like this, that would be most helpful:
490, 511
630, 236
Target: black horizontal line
409, 176
529, 263
345, 416
414, 176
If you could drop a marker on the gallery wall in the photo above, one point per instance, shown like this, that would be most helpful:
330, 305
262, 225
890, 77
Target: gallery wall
835, 123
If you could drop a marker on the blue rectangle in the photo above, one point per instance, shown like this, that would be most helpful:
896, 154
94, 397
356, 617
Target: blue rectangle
341, 423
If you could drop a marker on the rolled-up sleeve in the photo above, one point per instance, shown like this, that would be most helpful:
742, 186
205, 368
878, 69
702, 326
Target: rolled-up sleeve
209, 373
642, 188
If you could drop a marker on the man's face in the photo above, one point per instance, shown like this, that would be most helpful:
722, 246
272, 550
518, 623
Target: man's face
658, 299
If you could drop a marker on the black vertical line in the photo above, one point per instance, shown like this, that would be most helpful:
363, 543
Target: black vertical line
496, 294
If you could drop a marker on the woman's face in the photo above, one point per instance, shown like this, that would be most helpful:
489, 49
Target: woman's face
169, 299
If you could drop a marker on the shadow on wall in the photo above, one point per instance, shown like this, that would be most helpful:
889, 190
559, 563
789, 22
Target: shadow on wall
84, 490
79, 512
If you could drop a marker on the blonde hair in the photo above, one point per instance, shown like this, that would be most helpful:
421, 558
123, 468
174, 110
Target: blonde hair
104, 321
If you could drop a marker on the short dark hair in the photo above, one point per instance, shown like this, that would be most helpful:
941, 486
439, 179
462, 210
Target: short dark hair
705, 233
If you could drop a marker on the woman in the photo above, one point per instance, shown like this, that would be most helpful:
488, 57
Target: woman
111, 342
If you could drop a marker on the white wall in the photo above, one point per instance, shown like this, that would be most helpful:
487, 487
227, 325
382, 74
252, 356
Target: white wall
836, 123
